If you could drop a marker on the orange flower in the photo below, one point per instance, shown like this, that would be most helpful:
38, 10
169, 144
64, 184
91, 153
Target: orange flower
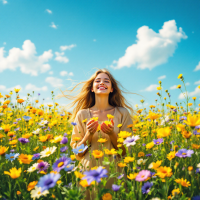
163, 172
132, 176
3, 150
25, 159
122, 164
36, 101
107, 196
141, 154
20, 101
31, 185
14, 173
110, 152
97, 153
171, 155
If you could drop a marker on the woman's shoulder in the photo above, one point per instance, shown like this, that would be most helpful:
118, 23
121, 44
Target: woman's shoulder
123, 110
83, 113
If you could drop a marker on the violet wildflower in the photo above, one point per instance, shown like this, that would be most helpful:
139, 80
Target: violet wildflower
95, 175
158, 141
48, 181
42, 166
23, 140
61, 163
115, 188
120, 176
146, 187
183, 153
130, 141
63, 149
36, 156
73, 123
64, 140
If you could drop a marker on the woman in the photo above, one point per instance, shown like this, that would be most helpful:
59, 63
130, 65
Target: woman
100, 95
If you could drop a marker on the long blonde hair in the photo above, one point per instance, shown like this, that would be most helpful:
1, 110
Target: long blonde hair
86, 98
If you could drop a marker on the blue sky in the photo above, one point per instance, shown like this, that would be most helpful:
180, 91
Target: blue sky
47, 44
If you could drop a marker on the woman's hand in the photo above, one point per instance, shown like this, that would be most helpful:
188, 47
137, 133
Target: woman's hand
92, 126
108, 129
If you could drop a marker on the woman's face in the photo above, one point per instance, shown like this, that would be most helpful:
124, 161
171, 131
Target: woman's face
102, 84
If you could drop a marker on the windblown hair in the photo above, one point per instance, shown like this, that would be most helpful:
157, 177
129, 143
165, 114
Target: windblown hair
86, 98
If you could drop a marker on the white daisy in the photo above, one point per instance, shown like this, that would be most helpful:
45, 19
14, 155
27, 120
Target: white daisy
36, 193
48, 151
32, 168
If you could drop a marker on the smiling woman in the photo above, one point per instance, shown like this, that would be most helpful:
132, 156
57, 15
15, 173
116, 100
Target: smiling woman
100, 98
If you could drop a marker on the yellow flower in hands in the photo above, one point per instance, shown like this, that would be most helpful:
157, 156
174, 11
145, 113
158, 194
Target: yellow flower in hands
14, 173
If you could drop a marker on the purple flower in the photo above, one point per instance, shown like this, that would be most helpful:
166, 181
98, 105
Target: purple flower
183, 118
174, 110
130, 141
115, 187
61, 163
120, 176
18, 119
146, 187
196, 133
15, 122
38, 94
73, 123
65, 134
172, 142
143, 144
42, 166
197, 127
143, 175
183, 153
64, 140
36, 156
23, 140
196, 198
158, 141
95, 175
197, 170
48, 181
63, 149
147, 155
12, 150
17, 129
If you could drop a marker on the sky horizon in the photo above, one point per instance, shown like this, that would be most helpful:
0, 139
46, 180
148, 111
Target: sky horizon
49, 45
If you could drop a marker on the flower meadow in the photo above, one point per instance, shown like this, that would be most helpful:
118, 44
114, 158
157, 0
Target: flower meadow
162, 158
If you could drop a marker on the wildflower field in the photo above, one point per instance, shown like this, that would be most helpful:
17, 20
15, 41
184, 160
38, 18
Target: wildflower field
37, 161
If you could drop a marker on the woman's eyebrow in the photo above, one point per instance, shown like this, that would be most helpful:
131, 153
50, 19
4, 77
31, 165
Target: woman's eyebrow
104, 78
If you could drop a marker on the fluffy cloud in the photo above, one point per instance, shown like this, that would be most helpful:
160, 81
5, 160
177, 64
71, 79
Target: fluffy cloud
187, 84
4, 1
197, 82
173, 87
197, 67
54, 82
65, 73
151, 49
25, 59
3, 88
63, 48
195, 93
31, 87
161, 77
53, 25
49, 11
61, 58
51, 72
151, 88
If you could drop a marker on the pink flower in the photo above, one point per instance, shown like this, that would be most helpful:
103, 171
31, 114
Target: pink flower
143, 175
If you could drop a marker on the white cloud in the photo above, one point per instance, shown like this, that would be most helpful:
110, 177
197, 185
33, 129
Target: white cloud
54, 82
64, 73
71, 74
161, 77
94, 40
49, 11
63, 48
173, 87
151, 49
3, 88
32, 87
53, 25
197, 67
25, 59
4, 1
51, 72
4, 43
61, 58
187, 84
195, 93
197, 82
151, 88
